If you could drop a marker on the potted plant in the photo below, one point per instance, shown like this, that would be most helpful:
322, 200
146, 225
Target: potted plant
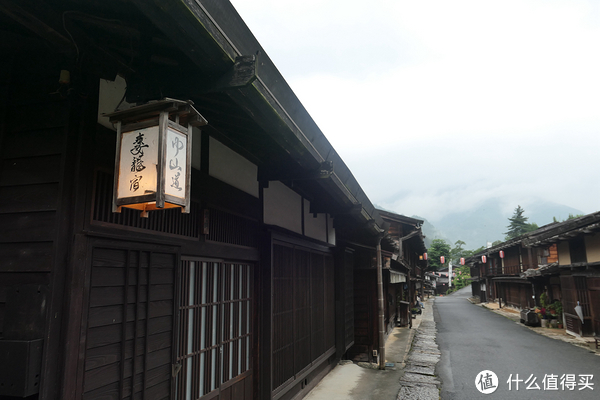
543, 316
557, 306
544, 310
551, 312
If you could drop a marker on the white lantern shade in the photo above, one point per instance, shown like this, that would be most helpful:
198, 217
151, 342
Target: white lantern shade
153, 158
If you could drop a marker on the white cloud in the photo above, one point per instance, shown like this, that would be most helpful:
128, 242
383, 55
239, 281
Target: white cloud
437, 105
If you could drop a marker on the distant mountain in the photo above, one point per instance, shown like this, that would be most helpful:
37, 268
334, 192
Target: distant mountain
488, 222
430, 231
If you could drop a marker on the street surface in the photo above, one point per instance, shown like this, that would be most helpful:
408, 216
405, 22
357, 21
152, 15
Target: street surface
473, 339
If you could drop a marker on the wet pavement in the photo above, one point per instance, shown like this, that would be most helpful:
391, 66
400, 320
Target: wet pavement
527, 364
587, 343
413, 354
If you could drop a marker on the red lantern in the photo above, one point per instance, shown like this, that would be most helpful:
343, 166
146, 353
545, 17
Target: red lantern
462, 261
425, 256
501, 254
442, 259
483, 259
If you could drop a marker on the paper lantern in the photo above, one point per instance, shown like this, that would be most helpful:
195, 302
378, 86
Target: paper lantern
154, 155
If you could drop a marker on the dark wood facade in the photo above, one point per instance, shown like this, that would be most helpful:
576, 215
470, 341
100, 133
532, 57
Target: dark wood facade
249, 296
403, 279
561, 260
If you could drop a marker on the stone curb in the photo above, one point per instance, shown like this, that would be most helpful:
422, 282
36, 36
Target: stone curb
422, 355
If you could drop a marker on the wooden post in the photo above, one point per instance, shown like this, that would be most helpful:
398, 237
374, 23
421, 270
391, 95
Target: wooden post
380, 307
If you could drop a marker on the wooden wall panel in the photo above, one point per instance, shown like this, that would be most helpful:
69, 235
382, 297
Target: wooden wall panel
130, 324
349, 301
35, 143
303, 321
364, 317
30, 257
32, 153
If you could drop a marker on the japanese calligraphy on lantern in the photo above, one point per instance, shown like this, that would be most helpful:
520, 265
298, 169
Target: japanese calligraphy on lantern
139, 158
175, 170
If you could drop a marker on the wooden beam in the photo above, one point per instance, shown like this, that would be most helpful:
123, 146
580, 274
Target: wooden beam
46, 30
325, 170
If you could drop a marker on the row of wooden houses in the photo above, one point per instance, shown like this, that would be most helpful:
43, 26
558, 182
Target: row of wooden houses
559, 261
249, 265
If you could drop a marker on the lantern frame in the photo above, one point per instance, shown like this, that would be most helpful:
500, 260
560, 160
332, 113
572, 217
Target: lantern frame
171, 118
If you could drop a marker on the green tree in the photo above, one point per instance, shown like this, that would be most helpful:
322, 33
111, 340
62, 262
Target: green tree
571, 216
518, 224
457, 252
461, 278
439, 247
532, 227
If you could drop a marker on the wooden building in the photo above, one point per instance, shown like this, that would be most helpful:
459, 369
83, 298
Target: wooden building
246, 296
500, 275
402, 280
561, 260
573, 247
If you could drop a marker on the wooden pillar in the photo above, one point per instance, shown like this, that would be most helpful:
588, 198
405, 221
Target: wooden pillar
263, 317
380, 307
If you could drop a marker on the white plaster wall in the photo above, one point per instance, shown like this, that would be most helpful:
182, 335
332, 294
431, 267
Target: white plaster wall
331, 230
592, 247
111, 93
283, 207
315, 228
564, 257
230, 167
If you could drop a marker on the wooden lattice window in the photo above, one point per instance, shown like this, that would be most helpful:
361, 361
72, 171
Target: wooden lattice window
223, 227
171, 221
303, 310
228, 228
215, 326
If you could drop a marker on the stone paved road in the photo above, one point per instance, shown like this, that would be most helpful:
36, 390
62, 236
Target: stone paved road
419, 381
473, 339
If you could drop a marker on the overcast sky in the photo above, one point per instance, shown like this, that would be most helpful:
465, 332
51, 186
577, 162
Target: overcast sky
436, 106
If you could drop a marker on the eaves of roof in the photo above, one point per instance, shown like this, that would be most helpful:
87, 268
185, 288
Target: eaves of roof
210, 31
547, 234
